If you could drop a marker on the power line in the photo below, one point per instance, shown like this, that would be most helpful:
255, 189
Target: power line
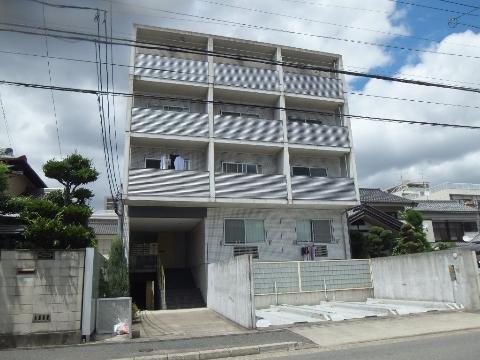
100, 101
331, 24
50, 82
62, 6
149, 45
216, 102
411, 100
428, 7
188, 72
458, 3
291, 32
374, 10
10, 141
113, 90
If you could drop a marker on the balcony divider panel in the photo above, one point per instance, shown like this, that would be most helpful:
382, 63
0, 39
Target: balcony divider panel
247, 77
316, 134
323, 188
155, 182
250, 186
244, 128
313, 85
157, 66
153, 121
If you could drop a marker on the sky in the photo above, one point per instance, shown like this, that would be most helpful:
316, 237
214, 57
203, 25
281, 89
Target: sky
408, 39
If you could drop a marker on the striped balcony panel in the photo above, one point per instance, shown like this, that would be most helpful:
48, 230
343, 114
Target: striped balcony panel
313, 85
242, 128
154, 182
156, 66
154, 121
251, 186
323, 188
247, 77
316, 134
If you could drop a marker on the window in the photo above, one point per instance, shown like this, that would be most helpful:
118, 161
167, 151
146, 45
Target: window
296, 118
316, 231
309, 171
244, 231
470, 227
152, 163
176, 108
238, 114
241, 168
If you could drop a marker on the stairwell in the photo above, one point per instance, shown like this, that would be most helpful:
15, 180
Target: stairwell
181, 291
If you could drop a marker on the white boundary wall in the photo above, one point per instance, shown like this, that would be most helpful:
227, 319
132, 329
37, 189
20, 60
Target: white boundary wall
230, 290
429, 277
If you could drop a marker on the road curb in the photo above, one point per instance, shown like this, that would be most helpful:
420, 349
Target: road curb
224, 353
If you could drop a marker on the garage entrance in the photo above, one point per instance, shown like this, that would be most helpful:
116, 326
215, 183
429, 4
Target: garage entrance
167, 263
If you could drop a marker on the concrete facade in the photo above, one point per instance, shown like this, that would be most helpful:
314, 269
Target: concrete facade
446, 276
40, 297
238, 139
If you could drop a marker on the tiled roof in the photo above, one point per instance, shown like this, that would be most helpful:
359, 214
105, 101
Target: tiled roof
104, 227
443, 206
376, 196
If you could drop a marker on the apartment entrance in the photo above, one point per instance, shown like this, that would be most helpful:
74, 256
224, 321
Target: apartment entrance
167, 269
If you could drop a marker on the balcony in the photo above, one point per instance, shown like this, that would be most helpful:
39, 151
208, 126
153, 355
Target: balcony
306, 133
163, 67
168, 183
246, 128
153, 121
250, 186
323, 188
313, 85
246, 77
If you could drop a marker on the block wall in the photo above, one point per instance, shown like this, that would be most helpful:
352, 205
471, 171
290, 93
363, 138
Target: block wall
31, 286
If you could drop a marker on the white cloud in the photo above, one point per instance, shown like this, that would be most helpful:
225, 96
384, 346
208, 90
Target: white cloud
411, 151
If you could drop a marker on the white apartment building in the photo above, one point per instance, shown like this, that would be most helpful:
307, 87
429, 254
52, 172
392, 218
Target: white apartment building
226, 156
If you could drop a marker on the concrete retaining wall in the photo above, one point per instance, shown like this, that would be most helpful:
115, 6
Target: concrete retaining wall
51, 288
429, 277
230, 290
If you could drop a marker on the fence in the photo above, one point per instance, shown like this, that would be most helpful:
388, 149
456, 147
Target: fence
308, 282
111, 311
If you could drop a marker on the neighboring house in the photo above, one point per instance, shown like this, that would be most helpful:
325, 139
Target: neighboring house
213, 170
377, 208
411, 189
22, 180
105, 226
448, 220
464, 192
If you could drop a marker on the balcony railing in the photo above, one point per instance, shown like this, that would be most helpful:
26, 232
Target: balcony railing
156, 66
244, 128
250, 186
317, 134
153, 121
313, 85
171, 183
323, 188
247, 77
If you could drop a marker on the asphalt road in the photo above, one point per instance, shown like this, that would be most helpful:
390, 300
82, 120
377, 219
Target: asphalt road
148, 348
458, 346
